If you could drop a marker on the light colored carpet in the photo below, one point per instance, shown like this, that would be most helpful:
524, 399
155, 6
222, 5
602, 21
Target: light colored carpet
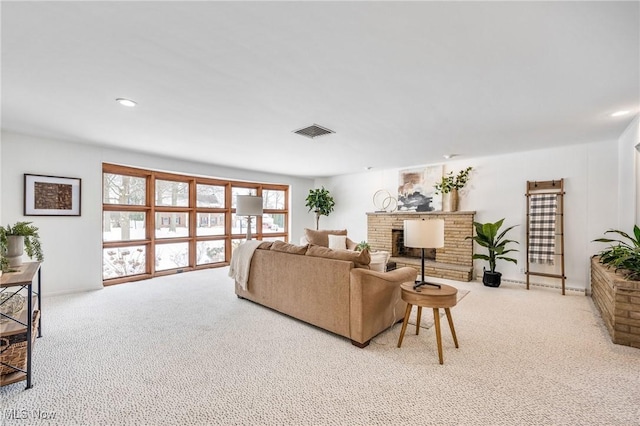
183, 350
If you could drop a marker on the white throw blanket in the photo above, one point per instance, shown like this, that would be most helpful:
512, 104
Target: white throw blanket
241, 261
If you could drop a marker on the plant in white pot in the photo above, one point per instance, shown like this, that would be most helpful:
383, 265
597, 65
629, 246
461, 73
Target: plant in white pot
16, 239
496, 244
451, 184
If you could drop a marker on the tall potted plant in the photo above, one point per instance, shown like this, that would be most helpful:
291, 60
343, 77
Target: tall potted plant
321, 202
16, 239
451, 184
496, 244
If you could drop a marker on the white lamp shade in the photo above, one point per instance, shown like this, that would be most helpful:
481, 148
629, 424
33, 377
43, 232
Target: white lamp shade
248, 205
424, 233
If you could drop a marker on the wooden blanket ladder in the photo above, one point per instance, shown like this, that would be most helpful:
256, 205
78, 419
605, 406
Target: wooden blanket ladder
555, 187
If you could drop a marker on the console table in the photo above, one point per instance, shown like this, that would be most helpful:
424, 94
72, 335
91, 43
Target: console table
15, 282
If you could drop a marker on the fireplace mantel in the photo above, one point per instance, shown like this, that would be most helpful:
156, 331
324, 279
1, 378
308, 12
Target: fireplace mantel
453, 261
412, 214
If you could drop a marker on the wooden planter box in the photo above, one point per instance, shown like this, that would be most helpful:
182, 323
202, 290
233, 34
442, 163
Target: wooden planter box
618, 300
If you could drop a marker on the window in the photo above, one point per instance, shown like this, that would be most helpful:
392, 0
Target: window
155, 223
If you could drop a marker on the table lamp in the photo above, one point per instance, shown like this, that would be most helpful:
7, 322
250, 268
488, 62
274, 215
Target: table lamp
424, 234
248, 205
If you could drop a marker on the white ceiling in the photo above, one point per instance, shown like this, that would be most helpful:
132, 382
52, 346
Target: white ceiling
401, 83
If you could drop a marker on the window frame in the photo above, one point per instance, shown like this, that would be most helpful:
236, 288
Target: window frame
149, 209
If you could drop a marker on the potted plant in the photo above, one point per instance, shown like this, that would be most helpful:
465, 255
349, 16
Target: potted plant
16, 239
624, 256
4, 264
451, 184
496, 244
362, 245
615, 274
321, 202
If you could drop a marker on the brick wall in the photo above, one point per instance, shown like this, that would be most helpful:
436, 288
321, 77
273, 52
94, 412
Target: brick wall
618, 301
453, 261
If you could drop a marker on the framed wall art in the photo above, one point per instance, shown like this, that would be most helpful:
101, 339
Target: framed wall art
416, 189
51, 195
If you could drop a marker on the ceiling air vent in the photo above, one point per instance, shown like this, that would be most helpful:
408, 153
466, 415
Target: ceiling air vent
314, 131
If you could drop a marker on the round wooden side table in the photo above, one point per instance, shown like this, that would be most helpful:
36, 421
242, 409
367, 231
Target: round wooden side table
430, 297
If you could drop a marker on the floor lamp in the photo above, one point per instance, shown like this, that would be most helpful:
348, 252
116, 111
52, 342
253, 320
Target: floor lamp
424, 234
248, 205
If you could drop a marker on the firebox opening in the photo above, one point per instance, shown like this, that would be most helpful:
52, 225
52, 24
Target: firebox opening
399, 250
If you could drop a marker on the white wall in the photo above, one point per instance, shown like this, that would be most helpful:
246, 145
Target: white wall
627, 176
1, 197
497, 190
73, 245
599, 180
637, 156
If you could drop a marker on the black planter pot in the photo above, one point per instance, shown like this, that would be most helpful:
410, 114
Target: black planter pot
491, 279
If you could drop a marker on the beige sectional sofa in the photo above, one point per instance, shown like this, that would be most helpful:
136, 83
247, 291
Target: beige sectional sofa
331, 289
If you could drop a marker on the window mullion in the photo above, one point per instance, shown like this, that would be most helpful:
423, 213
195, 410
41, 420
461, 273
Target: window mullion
151, 220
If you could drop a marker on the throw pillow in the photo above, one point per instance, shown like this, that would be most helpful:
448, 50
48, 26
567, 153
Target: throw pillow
360, 259
288, 248
337, 242
321, 238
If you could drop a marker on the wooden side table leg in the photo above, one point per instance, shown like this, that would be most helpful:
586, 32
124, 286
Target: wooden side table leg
407, 312
453, 330
436, 319
418, 320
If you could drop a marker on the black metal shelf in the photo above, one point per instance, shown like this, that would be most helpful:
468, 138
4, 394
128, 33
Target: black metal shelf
23, 279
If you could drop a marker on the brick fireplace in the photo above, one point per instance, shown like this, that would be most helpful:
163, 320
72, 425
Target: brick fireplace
453, 261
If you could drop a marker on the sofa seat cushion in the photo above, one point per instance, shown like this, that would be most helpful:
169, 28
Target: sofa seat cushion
360, 259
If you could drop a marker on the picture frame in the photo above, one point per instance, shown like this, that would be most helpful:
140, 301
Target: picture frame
51, 195
416, 189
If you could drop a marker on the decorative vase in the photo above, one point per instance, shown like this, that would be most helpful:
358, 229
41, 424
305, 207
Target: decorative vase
15, 249
453, 200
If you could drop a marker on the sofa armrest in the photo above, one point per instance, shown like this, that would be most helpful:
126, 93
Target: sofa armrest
375, 303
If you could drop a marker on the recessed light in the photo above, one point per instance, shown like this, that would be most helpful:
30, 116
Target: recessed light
368, 168
448, 156
620, 113
126, 102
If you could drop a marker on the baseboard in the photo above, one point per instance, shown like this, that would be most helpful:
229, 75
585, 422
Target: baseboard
553, 286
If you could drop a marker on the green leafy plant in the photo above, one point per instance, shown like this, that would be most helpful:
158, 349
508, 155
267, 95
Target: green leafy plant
4, 264
31, 239
363, 245
450, 181
321, 202
625, 255
496, 244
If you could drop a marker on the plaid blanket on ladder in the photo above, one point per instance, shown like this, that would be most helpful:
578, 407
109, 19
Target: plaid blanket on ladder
542, 228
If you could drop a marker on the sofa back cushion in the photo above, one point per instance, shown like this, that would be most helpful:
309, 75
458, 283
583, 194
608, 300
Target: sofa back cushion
360, 259
321, 238
288, 248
